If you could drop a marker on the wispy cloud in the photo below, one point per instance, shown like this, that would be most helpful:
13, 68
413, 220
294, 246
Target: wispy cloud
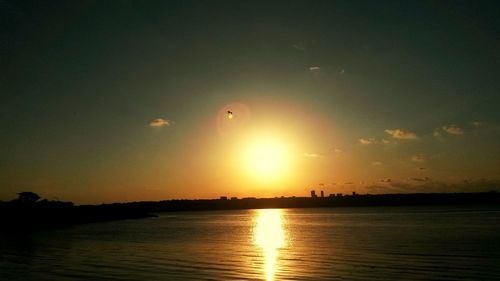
367, 141
160, 122
300, 46
476, 124
314, 68
453, 130
337, 150
427, 185
437, 133
386, 180
377, 163
418, 158
401, 134
312, 155
420, 179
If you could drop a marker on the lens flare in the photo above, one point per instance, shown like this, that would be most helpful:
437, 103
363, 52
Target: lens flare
232, 118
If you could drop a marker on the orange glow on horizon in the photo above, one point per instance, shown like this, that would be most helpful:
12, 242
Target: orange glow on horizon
258, 153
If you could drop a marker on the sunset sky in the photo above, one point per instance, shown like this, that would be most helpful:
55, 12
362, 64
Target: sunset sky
112, 101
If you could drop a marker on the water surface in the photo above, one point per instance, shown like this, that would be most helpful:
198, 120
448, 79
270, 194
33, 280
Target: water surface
394, 243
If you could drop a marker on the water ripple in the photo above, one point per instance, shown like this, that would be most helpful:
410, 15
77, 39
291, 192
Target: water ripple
311, 244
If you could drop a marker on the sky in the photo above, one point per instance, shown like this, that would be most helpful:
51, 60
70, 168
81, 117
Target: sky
116, 101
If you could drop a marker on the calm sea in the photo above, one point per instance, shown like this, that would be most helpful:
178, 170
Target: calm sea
394, 243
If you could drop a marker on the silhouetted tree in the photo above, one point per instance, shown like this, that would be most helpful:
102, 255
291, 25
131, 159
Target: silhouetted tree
28, 196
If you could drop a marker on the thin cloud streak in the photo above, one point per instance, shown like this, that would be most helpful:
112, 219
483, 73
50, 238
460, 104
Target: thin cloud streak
160, 122
418, 158
427, 185
311, 155
401, 134
453, 130
476, 124
367, 141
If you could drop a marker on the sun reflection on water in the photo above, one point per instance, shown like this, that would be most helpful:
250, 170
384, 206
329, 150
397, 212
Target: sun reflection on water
269, 236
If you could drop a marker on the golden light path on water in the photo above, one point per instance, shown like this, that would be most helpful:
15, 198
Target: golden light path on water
270, 237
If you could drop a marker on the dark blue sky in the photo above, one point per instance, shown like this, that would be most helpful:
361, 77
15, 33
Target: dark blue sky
359, 91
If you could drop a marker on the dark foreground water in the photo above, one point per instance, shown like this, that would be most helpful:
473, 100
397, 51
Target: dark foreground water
395, 243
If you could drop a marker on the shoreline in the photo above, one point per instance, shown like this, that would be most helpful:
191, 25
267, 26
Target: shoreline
16, 215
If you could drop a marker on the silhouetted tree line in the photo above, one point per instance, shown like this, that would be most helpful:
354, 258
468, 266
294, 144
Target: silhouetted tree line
28, 211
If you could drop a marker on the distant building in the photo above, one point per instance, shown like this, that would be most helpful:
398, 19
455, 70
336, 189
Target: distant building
223, 198
339, 195
234, 198
354, 193
313, 194
322, 194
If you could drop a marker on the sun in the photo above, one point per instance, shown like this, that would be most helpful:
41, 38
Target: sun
266, 158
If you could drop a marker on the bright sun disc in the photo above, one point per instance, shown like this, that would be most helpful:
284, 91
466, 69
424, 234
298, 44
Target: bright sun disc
266, 158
